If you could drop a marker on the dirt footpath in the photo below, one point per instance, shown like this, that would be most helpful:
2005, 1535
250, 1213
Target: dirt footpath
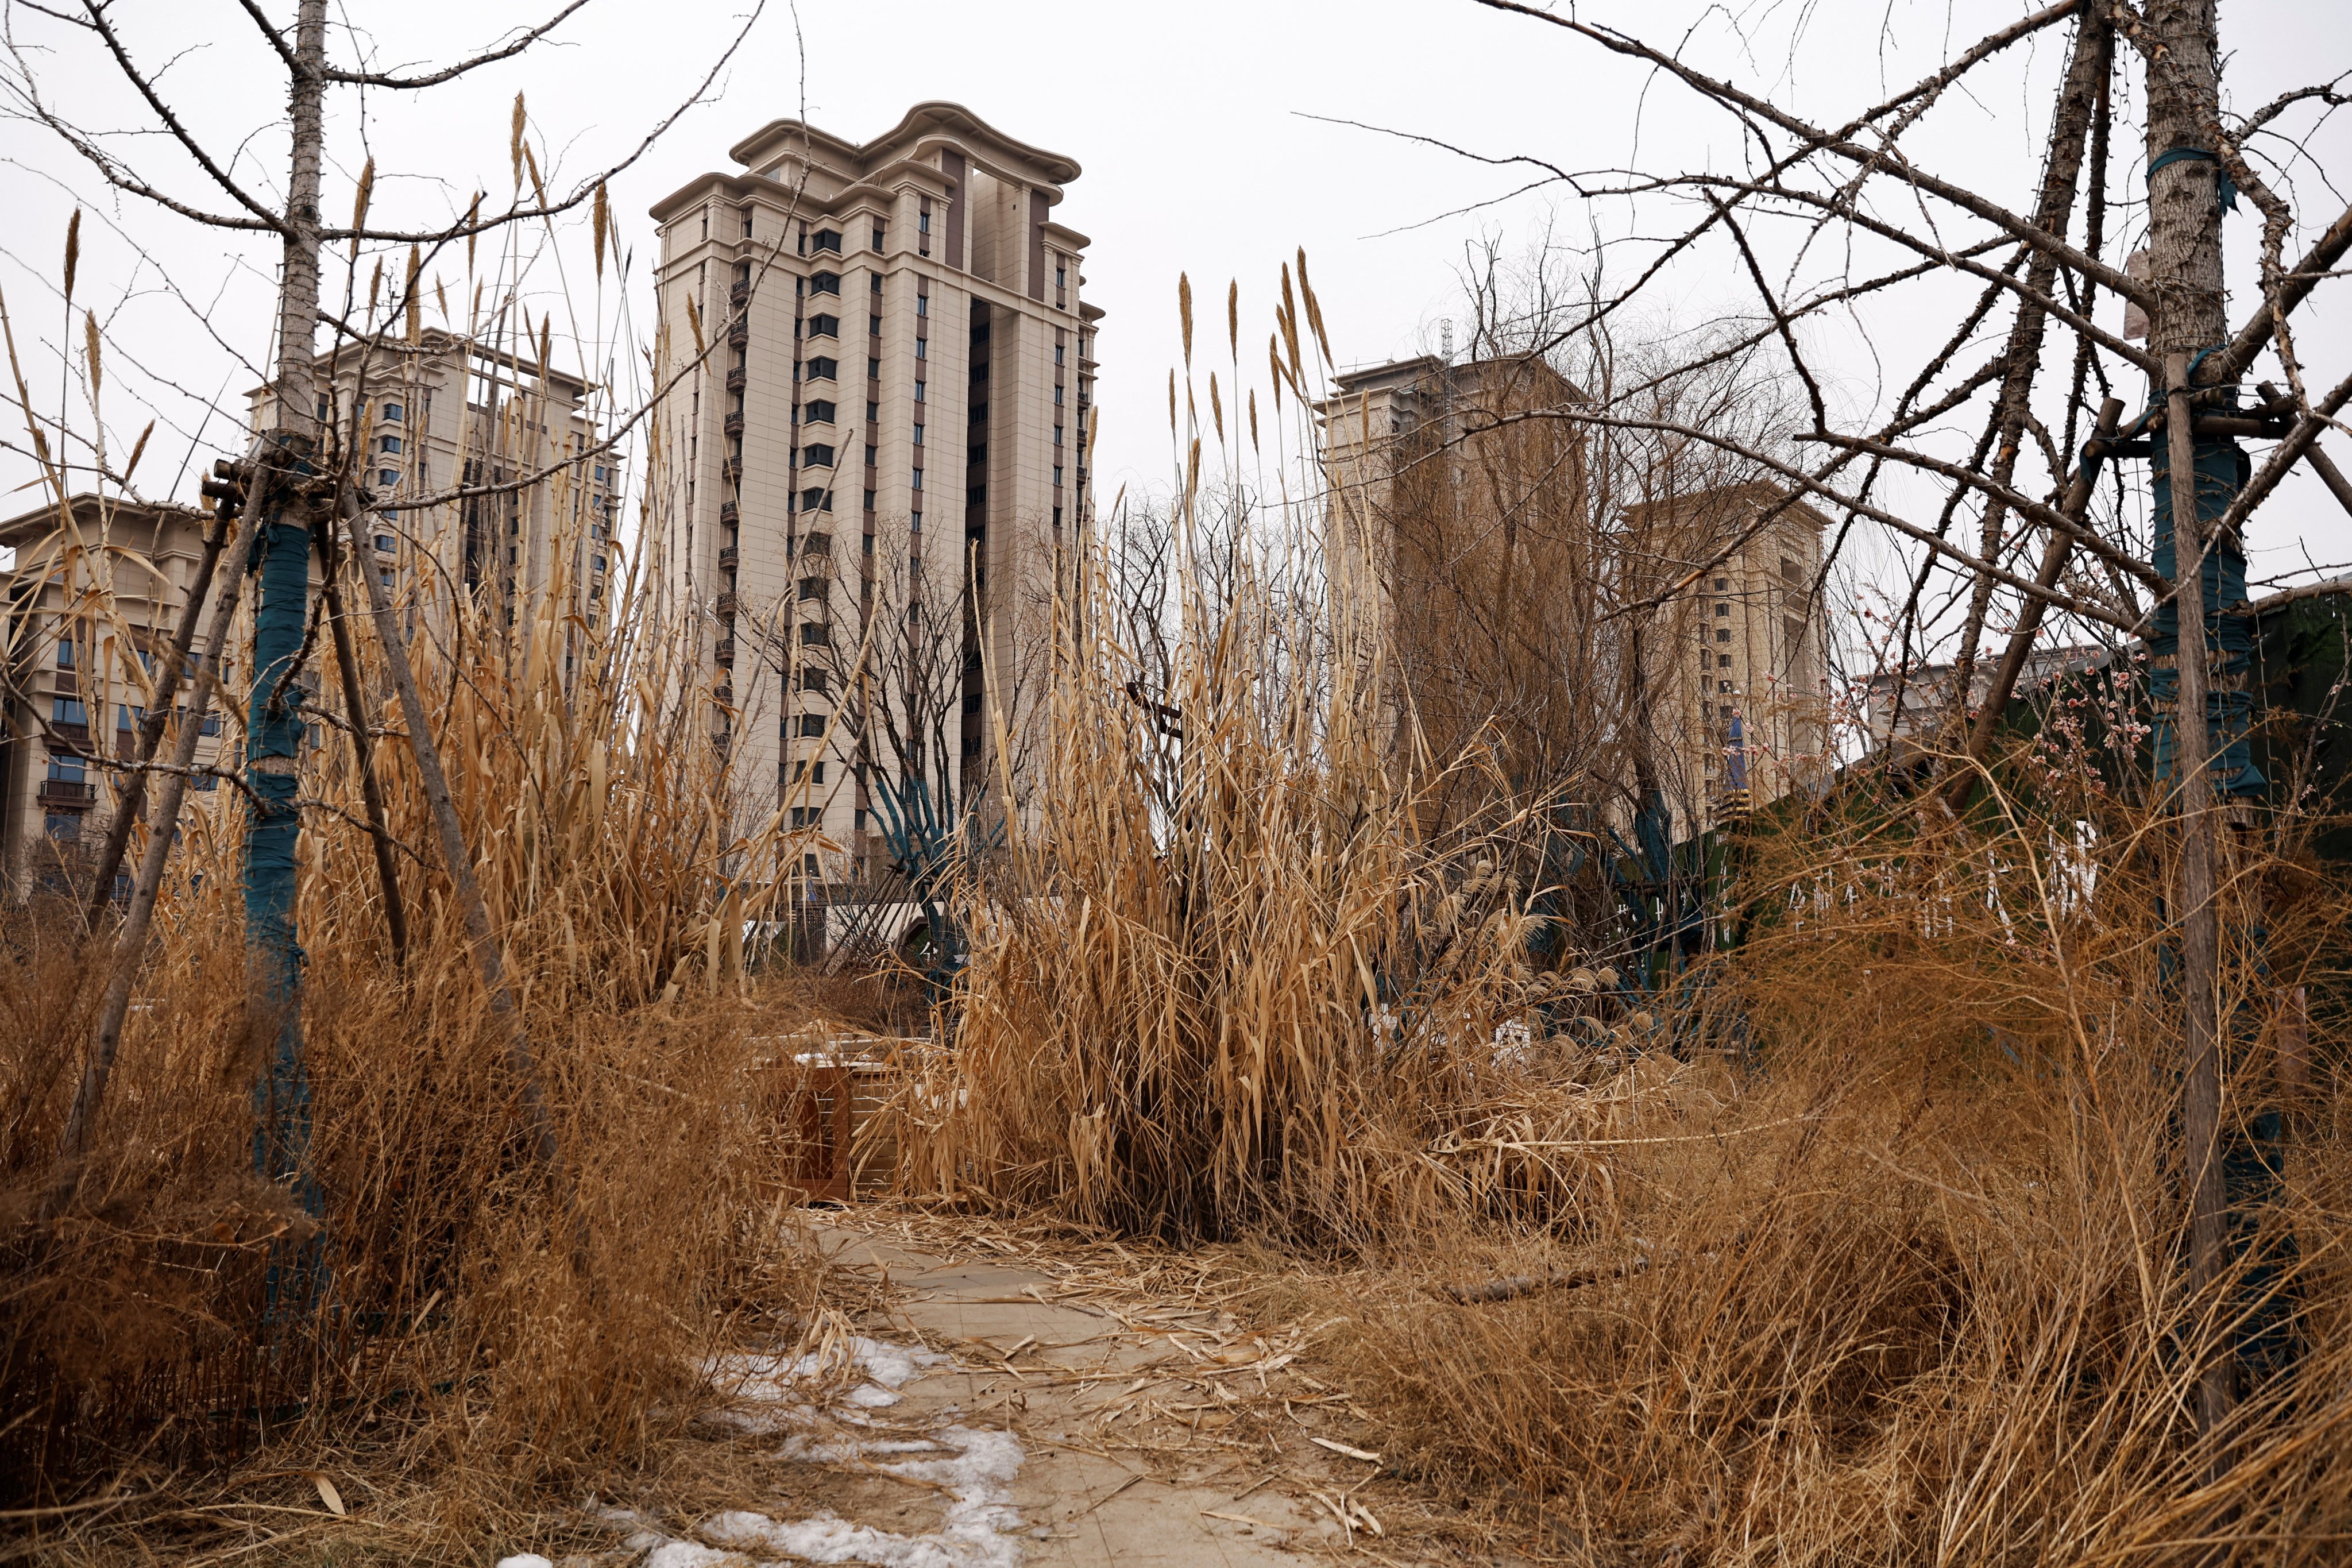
1064, 1377
1006, 1400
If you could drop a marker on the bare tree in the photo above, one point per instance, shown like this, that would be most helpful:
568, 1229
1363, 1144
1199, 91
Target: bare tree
1855, 188
300, 480
930, 735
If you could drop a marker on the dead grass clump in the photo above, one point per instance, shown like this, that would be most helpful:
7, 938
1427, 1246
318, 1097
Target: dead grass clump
429, 1289
1916, 1288
1224, 981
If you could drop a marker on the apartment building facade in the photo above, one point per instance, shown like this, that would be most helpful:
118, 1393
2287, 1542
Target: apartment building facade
1742, 661
1468, 531
93, 599
445, 411
1454, 544
879, 436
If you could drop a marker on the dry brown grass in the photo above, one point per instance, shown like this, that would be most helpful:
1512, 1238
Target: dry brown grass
1909, 1285
480, 1335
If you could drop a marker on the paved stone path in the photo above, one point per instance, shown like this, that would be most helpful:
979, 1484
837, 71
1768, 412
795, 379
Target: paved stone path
1082, 1506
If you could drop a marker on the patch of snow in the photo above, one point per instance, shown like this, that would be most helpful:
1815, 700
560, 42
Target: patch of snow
978, 1474
525, 1560
974, 1466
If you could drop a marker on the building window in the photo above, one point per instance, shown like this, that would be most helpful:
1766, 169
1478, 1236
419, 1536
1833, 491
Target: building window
816, 455
1057, 434
826, 283
812, 729
822, 369
870, 499
387, 478
66, 770
1723, 584
822, 326
923, 219
918, 392
877, 283
1061, 277
1057, 516
388, 444
1057, 353
392, 414
386, 542
65, 653
1057, 395
1057, 473
815, 634
1723, 634
816, 500
1722, 610
919, 433
878, 237
68, 711
804, 816
869, 455
922, 304
820, 411
919, 480
828, 239
813, 678
811, 588
595, 563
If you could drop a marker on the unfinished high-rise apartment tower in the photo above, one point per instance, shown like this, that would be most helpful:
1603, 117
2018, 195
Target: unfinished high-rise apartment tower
875, 454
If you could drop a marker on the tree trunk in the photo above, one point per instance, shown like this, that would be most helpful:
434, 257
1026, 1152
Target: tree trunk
2185, 275
281, 606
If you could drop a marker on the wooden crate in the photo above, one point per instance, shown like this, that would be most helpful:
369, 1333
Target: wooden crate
829, 1110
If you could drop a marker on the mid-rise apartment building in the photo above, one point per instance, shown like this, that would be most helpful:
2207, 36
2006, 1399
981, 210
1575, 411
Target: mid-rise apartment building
447, 411
1456, 534
1741, 667
880, 437
1674, 644
94, 596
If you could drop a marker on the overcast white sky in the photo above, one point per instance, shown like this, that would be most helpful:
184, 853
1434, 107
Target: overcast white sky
1191, 123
